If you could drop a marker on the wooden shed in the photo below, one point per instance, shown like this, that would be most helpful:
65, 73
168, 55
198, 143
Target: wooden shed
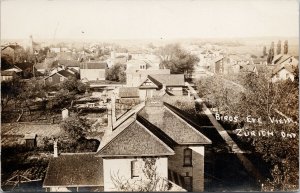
30, 140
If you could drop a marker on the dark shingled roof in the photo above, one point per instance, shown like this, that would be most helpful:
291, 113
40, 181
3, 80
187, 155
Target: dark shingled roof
128, 92
248, 68
288, 67
156, 85
66, 73
173, 125
73, 63
71, 170
24, 65
135, 140
280, 58
168, 79
93, 65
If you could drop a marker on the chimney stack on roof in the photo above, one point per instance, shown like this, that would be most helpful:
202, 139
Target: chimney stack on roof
113, 109
55, 148
111, 113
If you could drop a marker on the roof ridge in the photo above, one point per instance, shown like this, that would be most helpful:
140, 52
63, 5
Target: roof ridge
169, 149
159, 140
171, 109
115, 135
170, 141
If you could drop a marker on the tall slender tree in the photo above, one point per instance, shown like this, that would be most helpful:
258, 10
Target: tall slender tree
285, 47
278, 51
264, 51
271, 53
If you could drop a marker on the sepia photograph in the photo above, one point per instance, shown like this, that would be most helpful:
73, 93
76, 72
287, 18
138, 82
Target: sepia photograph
149, 96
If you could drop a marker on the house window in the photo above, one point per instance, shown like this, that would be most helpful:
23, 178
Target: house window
135, 167
188, 183
187, 157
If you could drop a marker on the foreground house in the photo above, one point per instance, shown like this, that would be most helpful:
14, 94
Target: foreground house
151, 130
158, 130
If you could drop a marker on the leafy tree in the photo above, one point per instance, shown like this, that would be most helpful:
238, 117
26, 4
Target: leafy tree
264, 51
176, 59
10, 90
62, 99
278, 51
285, 47
72, 84
271, 53
76, 127
116, 73
262, 98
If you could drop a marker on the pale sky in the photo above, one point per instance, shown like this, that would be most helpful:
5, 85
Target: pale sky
129, 19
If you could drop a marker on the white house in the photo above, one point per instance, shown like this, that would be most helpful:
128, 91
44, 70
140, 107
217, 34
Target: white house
154, 130
283, 72
93, 70
153, 133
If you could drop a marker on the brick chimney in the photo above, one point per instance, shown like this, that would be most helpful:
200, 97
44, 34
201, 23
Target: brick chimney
55, 148
111, 113
113, 109
109, 117
154, 109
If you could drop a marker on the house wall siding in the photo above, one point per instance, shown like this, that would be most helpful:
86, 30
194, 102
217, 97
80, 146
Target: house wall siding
4, 78
92, 74
55, 80
121, 167
283, 73
147, 93
175, 164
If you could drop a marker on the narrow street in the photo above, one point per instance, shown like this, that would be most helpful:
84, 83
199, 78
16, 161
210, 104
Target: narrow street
226, 137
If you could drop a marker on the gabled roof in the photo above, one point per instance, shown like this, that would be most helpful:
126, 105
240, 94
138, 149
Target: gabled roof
138, 134
280, 58
67, 63
65, 73
154, 81
168, 79
278, 67
134, 139
248, 68
93, 65
218, 58
176, 127
24, 65
71, 170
